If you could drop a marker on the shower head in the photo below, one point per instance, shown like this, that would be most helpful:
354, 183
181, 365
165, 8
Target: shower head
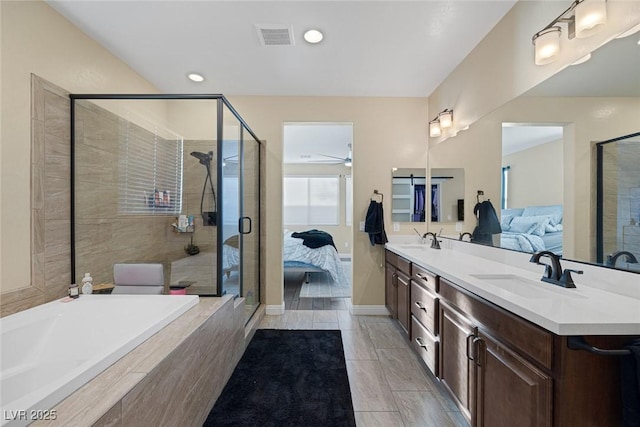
205, 159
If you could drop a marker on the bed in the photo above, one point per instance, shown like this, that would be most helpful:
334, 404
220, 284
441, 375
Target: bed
532, 229
299, 257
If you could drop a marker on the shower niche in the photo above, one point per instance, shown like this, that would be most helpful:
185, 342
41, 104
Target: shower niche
142, 165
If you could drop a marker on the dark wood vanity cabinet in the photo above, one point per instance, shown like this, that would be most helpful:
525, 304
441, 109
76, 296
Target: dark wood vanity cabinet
424, 316
505, 371
500, 369
457, 369
510, 391
493, 383
397, 293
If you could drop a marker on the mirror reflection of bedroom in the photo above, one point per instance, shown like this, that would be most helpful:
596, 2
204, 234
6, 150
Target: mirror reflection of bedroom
317, 215
532, 187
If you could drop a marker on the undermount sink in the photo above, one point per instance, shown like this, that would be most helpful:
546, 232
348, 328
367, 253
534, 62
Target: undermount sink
515, 284
415, 246
524, 287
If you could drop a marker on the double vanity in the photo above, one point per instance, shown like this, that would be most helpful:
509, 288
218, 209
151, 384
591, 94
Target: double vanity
510, 349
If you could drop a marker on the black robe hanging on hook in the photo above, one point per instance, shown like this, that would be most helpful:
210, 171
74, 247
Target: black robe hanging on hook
374, 224
488, 223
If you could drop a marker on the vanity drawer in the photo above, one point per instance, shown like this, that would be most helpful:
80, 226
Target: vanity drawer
424, 306
426, 278
425, 344
398, 262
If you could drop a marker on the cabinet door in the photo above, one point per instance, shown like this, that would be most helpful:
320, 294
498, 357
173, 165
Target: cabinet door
403, 308
390, 286
510, 390
457, 368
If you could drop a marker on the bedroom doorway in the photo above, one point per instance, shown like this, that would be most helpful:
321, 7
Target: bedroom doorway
532, 187
317, 215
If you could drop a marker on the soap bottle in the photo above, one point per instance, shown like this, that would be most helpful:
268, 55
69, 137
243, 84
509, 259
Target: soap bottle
73, 291
87, 284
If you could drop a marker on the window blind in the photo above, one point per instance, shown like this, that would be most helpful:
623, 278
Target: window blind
149, 171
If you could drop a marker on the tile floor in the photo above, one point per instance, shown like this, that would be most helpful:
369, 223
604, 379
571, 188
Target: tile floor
389, 386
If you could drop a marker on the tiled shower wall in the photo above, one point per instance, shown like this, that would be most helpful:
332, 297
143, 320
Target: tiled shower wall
103, 236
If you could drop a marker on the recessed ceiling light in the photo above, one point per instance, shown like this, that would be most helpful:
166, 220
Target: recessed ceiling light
195, 77
313, 36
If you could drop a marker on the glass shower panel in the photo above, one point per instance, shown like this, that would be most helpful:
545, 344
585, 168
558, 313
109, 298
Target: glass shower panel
251, 209
145, 187
620, 203
230, 201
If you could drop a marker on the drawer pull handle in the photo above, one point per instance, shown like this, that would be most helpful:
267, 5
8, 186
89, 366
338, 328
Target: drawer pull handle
420, 306
423, 277
421, 343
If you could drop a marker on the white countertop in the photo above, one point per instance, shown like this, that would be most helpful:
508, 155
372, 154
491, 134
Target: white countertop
584, 310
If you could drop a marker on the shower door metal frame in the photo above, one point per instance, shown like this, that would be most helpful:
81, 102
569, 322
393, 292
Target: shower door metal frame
221, 103
600, 193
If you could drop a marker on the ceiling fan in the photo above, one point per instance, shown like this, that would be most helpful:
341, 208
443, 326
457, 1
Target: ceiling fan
336, 160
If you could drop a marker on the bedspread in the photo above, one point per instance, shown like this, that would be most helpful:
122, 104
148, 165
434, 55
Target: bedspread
325, 257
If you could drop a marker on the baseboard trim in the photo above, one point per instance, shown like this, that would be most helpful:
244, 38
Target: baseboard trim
274, 310
369, 310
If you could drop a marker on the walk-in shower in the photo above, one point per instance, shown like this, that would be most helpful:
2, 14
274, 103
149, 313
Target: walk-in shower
138, 194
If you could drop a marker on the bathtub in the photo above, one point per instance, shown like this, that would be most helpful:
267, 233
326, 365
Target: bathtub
51, 350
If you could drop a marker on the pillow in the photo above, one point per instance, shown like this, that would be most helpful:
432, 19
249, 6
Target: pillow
512, 211
553, 228
553, 211
535, 225
505, 220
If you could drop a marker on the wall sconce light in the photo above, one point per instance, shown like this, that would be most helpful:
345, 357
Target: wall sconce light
583, 18
444, 120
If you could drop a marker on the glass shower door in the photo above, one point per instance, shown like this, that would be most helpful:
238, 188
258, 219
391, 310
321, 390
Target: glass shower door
240, 230
250, 223
618, 203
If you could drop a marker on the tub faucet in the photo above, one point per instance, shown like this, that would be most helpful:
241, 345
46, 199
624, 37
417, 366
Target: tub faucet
553, 273
612, 258
435, 243
466, 233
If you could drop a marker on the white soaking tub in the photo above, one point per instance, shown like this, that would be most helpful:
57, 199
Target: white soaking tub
51, 350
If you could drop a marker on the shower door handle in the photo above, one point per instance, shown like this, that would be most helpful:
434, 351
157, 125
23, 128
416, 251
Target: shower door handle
241, 223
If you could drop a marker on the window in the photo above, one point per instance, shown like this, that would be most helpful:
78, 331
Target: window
504, 201
348, 200
311, 200
149, 171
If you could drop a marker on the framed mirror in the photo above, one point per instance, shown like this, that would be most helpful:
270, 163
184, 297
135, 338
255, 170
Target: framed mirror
408, 194
446, 195
587, 103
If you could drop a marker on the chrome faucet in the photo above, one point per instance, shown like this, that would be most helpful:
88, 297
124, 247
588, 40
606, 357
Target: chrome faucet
612, 258
553, 273
435, 243
466, 233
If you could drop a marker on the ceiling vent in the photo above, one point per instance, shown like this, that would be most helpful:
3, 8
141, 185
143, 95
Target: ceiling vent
275, 34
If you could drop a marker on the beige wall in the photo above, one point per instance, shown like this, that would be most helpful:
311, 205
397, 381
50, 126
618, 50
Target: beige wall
479, 151
501, 67
36, 39
536, 175
387, 132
